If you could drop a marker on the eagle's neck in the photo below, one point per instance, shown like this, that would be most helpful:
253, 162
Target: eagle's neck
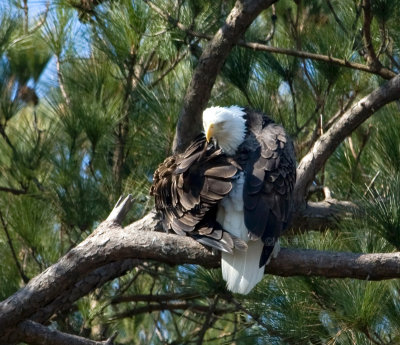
228, 127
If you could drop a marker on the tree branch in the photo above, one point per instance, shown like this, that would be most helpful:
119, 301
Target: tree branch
90, 282
312, 162
109, 243
175, 63
170, 305
35, 333
209, 65
374, 69
112, 243
322, 215
155, 298
303, 262
377, 69
12, 190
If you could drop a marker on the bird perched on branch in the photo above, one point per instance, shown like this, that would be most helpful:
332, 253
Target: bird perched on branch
231, 190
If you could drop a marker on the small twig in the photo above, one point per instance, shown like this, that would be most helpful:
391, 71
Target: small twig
170, 305
248, 312
392, 60
371, 183
384, 41
271, 33
357, 157
155, 298
340, 112
110, 341
6, 138
13, 190
293, 94
10, 244
126, 287
327, 193
120, 210
26, 15
308, 121
351, 146
208, 321
169, 69
61, 82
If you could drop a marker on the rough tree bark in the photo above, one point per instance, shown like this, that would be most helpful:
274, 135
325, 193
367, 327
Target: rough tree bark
35, 333
61, 284
112, 250
111, 244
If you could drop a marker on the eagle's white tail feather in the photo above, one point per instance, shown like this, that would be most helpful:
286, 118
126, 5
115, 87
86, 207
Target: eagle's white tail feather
241, 270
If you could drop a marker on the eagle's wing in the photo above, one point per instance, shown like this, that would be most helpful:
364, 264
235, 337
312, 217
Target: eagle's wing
187, 189
270, 174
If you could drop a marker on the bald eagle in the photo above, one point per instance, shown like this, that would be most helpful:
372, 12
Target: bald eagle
231, 190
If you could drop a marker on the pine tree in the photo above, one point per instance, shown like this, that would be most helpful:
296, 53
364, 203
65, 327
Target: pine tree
95, 94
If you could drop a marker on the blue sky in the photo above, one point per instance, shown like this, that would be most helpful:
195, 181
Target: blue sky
36, 11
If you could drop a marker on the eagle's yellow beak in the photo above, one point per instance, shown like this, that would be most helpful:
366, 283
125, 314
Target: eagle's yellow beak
210, 132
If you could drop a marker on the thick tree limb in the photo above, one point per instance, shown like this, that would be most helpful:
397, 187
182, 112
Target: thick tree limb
108, 243
88, 283
313, 161
35, 333
294, 262
111, 243
210, 63
322, 215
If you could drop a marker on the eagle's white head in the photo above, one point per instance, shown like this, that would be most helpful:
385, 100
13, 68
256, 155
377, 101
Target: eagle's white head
227, 126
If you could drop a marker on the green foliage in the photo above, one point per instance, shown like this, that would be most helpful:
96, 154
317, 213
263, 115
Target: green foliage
28, 56
106, 85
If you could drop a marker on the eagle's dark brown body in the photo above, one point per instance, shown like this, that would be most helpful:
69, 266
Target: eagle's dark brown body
189, 187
